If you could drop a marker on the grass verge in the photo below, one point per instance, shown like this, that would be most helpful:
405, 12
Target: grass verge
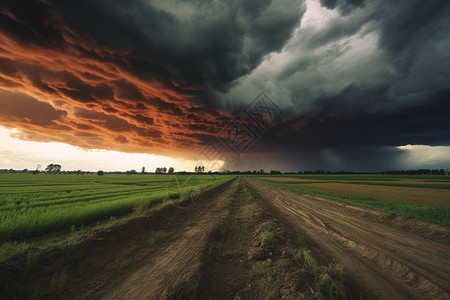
328, 278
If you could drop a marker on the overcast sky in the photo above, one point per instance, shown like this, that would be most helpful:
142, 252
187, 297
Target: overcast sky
356, 85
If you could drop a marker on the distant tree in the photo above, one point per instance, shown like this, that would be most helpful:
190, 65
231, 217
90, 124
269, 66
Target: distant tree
161, 170
53, 169
143, 170
199, 169
171, 170
100, 172
130, 172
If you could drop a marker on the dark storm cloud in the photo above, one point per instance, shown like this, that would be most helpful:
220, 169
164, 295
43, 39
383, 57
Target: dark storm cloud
375, 76
408, 107
111, 89
344, 6
425, 125
361, 159
155, 65
392, 93
206, 43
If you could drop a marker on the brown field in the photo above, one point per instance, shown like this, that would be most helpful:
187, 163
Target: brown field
288, 179
379, 190
425, 181
406, 195
400, 180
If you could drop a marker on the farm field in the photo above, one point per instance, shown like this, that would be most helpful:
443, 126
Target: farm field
421, 197
33, 205
242, 238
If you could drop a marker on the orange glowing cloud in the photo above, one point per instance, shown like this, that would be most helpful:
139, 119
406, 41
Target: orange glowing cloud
76, 91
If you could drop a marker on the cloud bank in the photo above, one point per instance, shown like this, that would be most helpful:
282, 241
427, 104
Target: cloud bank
355, 79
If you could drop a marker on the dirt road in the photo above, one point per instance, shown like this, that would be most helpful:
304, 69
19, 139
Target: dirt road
382, 262
175, 269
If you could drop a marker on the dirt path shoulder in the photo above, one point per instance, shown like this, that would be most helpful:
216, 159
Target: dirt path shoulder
383, 262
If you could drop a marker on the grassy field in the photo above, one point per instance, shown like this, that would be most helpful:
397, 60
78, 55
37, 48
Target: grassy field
422, 197
34, 205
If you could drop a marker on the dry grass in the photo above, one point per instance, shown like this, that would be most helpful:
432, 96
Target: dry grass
399, 180
406, 195
424, 181
288, 179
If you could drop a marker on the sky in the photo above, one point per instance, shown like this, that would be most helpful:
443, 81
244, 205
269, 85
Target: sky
357, 85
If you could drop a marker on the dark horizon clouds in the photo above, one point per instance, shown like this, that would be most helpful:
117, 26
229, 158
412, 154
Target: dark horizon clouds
166, 76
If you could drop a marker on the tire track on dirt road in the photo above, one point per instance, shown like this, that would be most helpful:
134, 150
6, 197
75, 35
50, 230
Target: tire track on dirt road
381, 261
176, 270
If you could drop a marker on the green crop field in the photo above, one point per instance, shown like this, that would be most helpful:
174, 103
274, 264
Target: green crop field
34, 205
421, 197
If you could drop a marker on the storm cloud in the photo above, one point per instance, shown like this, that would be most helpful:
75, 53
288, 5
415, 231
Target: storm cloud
205, 43
367, 75
372, 74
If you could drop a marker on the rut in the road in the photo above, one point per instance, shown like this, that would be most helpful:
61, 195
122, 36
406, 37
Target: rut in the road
382, 261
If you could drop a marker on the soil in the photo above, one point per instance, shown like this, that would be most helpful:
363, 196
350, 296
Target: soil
237, 241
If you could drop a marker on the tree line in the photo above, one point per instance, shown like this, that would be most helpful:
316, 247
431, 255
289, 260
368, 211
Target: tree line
56, 169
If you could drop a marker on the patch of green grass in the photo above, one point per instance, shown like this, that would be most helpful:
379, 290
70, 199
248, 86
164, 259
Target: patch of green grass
263, 275
123, 259
330, 282
299, 241
328, 278
8, 249
157, 238
267, 236
221, 255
